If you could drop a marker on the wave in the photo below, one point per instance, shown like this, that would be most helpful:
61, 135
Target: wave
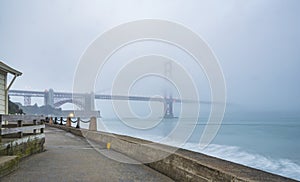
284, 167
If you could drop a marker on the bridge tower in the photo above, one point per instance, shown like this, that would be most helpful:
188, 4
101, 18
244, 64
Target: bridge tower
169, 108
89, 102
168, 97
49, 98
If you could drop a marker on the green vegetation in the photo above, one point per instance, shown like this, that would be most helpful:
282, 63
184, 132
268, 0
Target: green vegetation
17, 108
42, 110
14, 108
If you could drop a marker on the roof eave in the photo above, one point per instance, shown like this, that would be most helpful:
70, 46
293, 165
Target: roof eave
9, 69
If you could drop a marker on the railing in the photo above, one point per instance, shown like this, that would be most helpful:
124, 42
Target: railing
15, 126
67, 121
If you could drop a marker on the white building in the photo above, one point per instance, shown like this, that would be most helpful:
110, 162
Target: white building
4, 85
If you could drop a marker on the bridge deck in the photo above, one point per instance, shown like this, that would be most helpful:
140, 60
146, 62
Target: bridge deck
71, 158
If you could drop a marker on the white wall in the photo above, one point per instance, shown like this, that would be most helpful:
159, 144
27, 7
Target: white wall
2, 92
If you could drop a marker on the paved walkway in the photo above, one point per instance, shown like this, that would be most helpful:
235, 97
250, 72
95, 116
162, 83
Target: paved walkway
71, 158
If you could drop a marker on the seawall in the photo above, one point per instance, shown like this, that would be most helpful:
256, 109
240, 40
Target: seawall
14, 149
182, 165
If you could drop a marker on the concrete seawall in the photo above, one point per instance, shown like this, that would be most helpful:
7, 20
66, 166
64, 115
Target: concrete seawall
23, 147
183, 165
14, 149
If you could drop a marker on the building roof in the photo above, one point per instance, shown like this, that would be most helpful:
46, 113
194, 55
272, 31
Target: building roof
7, 69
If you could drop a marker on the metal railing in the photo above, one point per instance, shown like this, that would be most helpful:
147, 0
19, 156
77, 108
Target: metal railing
67, 121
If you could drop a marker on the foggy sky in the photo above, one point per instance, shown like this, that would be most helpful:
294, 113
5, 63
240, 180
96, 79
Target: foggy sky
256, 41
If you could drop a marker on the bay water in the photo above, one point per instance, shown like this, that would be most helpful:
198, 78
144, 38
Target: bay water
264, 140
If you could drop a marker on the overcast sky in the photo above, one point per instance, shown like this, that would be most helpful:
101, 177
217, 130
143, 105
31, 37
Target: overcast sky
256, 41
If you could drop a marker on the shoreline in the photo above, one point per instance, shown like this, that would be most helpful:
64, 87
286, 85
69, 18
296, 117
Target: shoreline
194, 163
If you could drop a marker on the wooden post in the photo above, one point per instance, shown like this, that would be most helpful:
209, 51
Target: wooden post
34, 123
0, 128
68, 124
42, 121
42, 129
93, 124
78, 122
20, 124
61, 121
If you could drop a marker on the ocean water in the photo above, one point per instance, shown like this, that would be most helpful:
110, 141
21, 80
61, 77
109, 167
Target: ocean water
264, 140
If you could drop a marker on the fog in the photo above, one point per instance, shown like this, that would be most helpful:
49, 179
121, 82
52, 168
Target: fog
256, 42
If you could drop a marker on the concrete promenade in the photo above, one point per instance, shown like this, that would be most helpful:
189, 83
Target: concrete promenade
71, 158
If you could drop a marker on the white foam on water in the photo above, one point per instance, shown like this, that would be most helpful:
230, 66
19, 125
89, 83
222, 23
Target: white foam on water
284, 167
235, 154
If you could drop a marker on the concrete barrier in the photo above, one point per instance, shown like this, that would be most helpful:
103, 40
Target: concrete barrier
51, 120
12, 150
183, 165
68, 123
23, 147
93, 124
8, 164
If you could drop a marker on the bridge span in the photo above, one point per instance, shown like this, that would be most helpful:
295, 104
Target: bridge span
86, 101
